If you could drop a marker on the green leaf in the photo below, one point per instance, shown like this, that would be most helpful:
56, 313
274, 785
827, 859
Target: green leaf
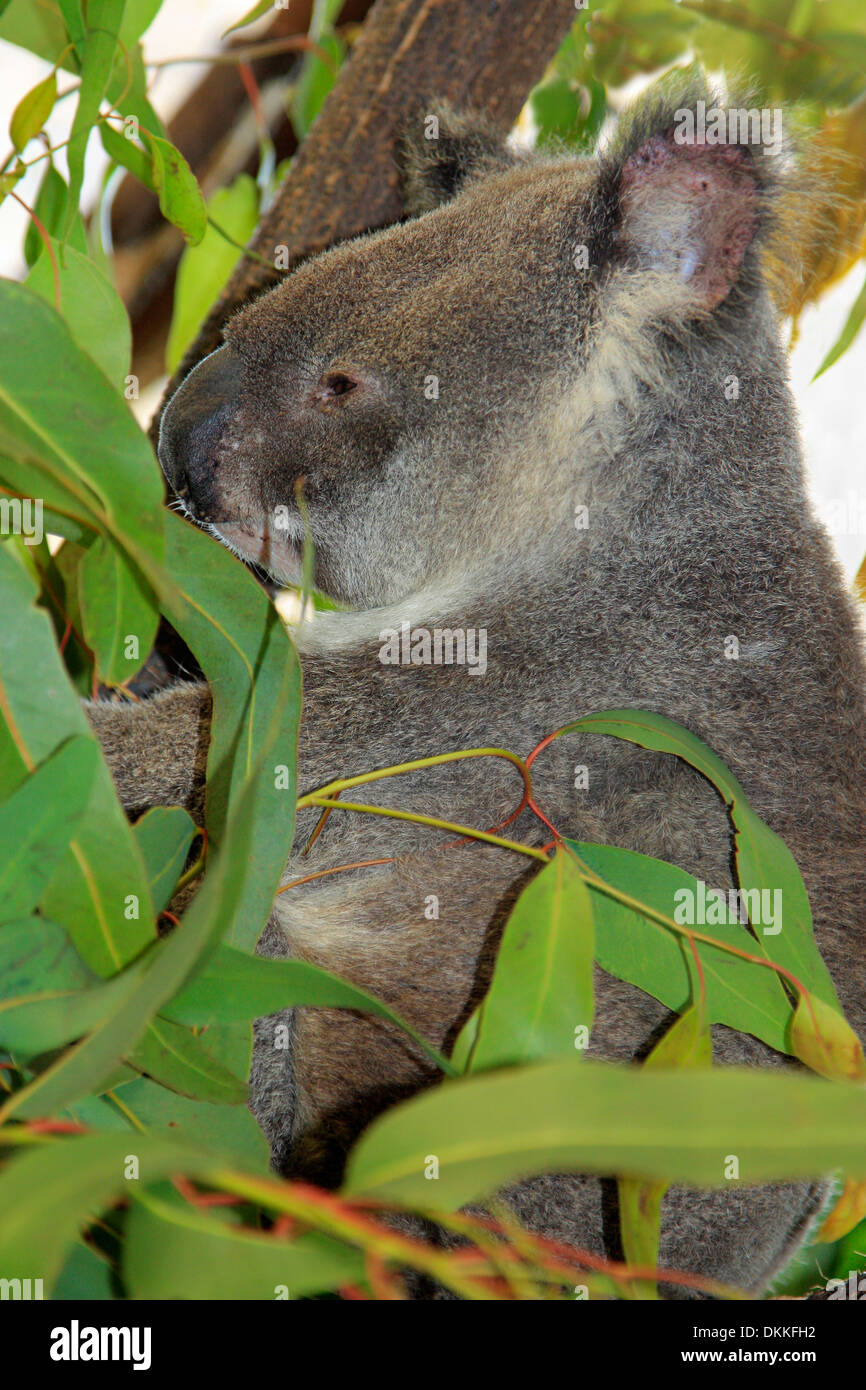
78, 447
127, 92
634, 948
127, 153
227, 621
104, 18
49, 1195
541, 994
853, 324
591, 1117
33, 111
231, 1044
174, 1251
764, 861
316, 80
153, 980
37, 822
98, 1112
228, 1132
38, 28
58, 579
35, 953
263, 7
137, 18
205, 269
180, 199
175, 1057
85, 1276
74, 21
561, 116
100, 875
10, 179
164, 836
232, 986
826, 1042
49, 1013
119, 612
90, 306
325, 14
50, 207
461, 1052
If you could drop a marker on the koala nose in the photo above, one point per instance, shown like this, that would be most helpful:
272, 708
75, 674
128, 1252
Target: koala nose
192, 424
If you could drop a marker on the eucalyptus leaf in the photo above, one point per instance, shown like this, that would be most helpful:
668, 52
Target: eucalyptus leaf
96, 52
229, 1132
176, 1057
37, 822
174, 1251
542, 992
50, 208
180, 198
152, 981
48, 1195
33, 111
90, 306
98, 890
164, 836
37, 959
491, 1129
118, 609
764, 861
659, 960
204, 269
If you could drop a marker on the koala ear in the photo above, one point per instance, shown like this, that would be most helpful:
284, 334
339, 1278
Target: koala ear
690, 209
441, 149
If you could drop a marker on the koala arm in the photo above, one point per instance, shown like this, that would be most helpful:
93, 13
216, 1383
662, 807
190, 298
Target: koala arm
156, 750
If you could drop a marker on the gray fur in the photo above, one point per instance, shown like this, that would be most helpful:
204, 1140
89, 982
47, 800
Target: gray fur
558, 387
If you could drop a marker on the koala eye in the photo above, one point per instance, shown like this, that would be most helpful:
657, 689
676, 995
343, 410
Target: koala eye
334, 385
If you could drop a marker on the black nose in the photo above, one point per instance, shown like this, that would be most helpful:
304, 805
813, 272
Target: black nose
192, 424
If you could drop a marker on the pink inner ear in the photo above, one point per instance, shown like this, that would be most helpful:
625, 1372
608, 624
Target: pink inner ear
707, 192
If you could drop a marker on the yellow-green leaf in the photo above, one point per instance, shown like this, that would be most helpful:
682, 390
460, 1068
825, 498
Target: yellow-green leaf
33, 111
180, 199
259, 9
825, 1041
848, 1212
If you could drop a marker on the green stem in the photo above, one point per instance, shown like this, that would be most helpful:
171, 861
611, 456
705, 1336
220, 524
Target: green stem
355, 1230
345, 783
462, 830
239, 246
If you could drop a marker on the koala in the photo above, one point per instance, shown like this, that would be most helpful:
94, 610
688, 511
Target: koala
549, 407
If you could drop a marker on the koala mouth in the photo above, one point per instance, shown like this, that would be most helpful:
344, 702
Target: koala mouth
276, 552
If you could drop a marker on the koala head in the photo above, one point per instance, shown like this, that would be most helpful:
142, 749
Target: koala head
435, 387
